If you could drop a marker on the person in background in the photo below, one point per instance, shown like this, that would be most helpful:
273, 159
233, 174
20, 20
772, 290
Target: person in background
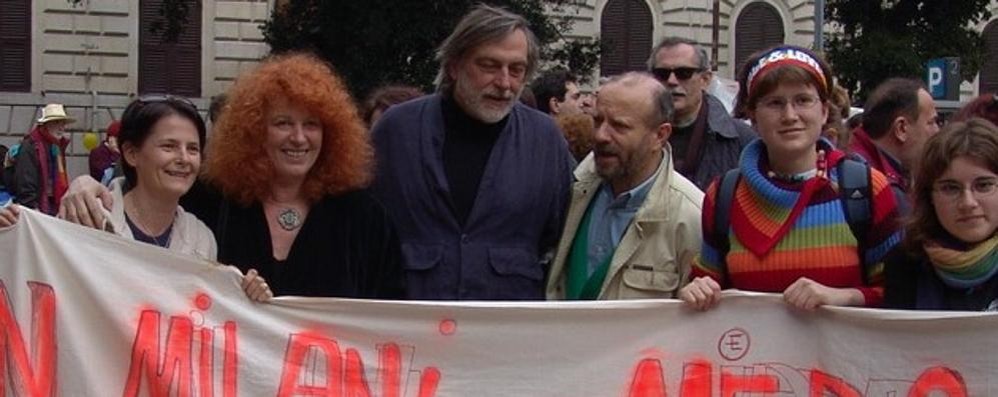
633, 227
557, 92
39, 167
835, 129
984, 106
952, 257
705, 140
476, 182
898, 118
579, 129
105, 157
787, 229
384, 97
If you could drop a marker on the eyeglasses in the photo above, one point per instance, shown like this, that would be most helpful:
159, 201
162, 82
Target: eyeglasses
980, 187
799, 102
682, 73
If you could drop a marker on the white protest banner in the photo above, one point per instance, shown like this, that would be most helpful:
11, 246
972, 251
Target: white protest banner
85, 313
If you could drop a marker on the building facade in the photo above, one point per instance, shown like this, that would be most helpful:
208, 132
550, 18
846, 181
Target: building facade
98, 55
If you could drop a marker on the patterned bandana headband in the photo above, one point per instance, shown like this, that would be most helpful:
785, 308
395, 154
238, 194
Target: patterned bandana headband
786, 56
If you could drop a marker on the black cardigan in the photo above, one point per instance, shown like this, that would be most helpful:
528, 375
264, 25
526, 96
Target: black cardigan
346, 248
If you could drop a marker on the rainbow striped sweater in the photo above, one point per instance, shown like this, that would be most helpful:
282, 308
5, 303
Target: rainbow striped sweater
782, 231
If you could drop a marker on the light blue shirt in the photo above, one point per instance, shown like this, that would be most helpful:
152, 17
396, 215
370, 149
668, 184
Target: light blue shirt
610, 218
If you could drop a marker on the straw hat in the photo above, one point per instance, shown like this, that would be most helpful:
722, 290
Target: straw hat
53, 112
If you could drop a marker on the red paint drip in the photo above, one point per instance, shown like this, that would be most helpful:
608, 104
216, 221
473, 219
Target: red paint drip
732, 384
202, 301
648, 379
448, 327
206, 373
391, 370
939, 379
28, 380
823, 384
146, 355
230, 363
294, 360
429, 381
696, 379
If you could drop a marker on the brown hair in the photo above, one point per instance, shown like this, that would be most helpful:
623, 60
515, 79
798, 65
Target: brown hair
975, 138
985, 106
783, 74
237, 160
579, 130
384, 97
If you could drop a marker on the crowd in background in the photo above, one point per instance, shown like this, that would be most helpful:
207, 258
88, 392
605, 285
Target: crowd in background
506, 185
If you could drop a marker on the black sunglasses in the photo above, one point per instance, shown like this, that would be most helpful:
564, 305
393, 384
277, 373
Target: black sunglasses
682, 73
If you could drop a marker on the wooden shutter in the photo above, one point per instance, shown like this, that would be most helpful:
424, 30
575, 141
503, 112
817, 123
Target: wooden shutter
169, 67
759, 26
626, 36
988, 81
15, 45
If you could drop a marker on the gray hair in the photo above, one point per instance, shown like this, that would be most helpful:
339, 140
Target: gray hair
661, 98
703, 60
481, 25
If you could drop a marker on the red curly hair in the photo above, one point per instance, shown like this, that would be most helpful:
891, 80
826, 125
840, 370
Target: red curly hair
237, 161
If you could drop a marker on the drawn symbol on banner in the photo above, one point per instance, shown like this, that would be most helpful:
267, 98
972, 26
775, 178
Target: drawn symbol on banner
734, 344
448, 327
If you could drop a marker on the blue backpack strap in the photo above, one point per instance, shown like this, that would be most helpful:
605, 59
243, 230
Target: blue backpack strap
722, 211
856, 195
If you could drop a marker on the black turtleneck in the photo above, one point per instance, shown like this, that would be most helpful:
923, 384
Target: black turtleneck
467, 145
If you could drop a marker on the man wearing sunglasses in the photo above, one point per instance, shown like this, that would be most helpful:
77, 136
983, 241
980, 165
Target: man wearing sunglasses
706, 141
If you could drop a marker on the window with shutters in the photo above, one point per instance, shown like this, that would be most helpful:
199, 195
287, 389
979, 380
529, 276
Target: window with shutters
15, 45
988, 82
169, 66
626, 36
759, 26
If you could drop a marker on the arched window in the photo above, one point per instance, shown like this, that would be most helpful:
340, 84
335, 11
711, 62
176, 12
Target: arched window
169, 67
759, 26
989, 73
626, 36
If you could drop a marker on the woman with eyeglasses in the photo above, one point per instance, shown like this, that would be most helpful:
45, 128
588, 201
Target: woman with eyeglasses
161, 140
787, 230
952, 257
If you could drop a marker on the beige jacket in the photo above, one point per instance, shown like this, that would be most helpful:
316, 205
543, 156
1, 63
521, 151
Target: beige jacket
190, 236
656, 252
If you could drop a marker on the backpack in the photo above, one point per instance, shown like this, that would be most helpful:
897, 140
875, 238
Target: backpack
854, 193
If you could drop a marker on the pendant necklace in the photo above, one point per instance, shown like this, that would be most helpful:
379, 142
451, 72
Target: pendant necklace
289, 219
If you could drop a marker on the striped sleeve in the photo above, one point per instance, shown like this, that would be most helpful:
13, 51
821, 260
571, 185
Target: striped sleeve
709, 262
884, 235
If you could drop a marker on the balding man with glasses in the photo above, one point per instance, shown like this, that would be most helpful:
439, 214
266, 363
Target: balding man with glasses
706, 141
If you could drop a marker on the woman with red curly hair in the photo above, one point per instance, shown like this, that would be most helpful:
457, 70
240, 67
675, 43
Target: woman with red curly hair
290, 158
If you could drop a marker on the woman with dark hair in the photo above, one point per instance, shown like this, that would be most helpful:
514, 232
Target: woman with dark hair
952, 258
788, 231
160, 139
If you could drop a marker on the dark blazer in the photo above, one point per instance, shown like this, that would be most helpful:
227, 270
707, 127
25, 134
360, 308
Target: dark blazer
516, 218
725, 138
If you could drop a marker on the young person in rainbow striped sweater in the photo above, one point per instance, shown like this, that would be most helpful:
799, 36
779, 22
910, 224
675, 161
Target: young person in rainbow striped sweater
952, 257
788, 231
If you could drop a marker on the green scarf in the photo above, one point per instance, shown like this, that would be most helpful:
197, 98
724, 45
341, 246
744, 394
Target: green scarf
964, 269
